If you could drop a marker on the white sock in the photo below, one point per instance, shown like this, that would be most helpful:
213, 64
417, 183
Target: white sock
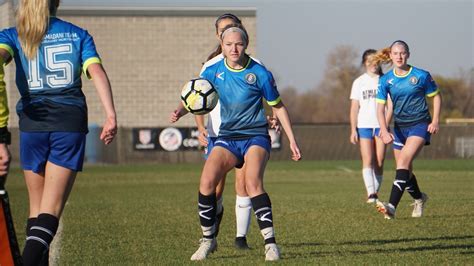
219, 205
378, 182
243, 212
369, 180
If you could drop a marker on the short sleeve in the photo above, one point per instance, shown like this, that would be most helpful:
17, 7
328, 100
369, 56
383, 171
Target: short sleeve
431, 89
270, 91
355, 90
6, 42
382, 91
89, 53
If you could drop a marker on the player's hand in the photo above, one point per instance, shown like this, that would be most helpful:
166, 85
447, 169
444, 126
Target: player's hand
5, 158
274, 123
386, 136
354, 138
295, 152
433, 128
175, 116
109, 130
202, 137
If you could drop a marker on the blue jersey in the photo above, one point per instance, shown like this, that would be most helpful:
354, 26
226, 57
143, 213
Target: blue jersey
240, 96
50, 84
408, 94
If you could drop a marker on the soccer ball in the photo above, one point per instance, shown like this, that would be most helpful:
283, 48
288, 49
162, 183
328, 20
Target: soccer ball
199, 96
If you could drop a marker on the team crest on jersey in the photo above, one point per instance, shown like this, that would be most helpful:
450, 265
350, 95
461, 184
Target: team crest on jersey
251, 78
413, 80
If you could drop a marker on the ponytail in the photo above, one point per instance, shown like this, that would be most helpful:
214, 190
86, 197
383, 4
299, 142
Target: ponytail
32, 23
381, 57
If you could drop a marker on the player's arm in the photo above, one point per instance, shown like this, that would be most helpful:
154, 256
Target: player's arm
179, 112
199, 119
381, 100
102, 85
4, 113
388, 112
282, 114
354, 138
433, 127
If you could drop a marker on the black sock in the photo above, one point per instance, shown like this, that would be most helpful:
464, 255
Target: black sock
29, 223
399, 185
207, 214
40, 236
413, 187
262, 207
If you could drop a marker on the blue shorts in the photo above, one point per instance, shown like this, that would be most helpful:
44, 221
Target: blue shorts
65, 149
239, 147
210, 145
401, 134
368, 133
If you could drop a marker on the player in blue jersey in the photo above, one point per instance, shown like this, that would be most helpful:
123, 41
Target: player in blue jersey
365, 127
207, 136
49, 55
408, 88
243, 136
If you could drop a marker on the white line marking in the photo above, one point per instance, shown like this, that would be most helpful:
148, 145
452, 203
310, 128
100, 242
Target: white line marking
345, 169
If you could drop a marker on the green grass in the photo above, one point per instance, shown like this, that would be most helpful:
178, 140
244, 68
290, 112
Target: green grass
146, 214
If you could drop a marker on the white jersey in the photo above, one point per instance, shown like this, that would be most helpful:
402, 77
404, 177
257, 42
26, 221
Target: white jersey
214, 120
364, 90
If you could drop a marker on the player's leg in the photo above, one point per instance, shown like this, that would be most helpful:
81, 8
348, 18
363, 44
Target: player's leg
367, 152
220, 200
256, 159
404, 159
243, 209
65, 159
219, 162
379, 160
57, 186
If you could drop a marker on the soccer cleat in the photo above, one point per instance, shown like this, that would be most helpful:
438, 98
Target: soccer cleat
241, 242
419, 204
218, 221
272, 253
386, 209
372, 198
206, 247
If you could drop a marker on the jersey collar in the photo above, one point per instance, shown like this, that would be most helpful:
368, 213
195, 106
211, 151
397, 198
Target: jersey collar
402, 76
237, 70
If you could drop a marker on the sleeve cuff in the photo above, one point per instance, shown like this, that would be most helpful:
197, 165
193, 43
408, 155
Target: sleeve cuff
275, 102
8, 49
87, 63
380, 101
433, 93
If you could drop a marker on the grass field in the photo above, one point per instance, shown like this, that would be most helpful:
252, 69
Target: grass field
146, 214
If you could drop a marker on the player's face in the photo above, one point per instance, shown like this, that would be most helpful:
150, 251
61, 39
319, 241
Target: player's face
371, 67
399, 55
221, 26
233, 47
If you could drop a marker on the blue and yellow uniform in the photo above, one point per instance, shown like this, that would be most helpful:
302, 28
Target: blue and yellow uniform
240, 96
410, 109
52, 108
50, 85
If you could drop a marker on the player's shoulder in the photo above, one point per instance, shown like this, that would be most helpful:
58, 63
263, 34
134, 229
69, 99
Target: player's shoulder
361, 78
258, 67
213, 61
420, 72
59, 25
9, 31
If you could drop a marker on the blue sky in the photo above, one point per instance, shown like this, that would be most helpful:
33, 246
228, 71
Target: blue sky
295, 37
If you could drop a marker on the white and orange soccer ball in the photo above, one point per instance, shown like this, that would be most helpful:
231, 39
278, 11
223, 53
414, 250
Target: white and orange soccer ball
199, 96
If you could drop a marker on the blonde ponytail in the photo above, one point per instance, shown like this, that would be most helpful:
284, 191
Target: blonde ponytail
381, 57
32, 23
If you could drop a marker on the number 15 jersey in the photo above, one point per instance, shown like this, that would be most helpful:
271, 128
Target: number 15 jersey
50, 84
